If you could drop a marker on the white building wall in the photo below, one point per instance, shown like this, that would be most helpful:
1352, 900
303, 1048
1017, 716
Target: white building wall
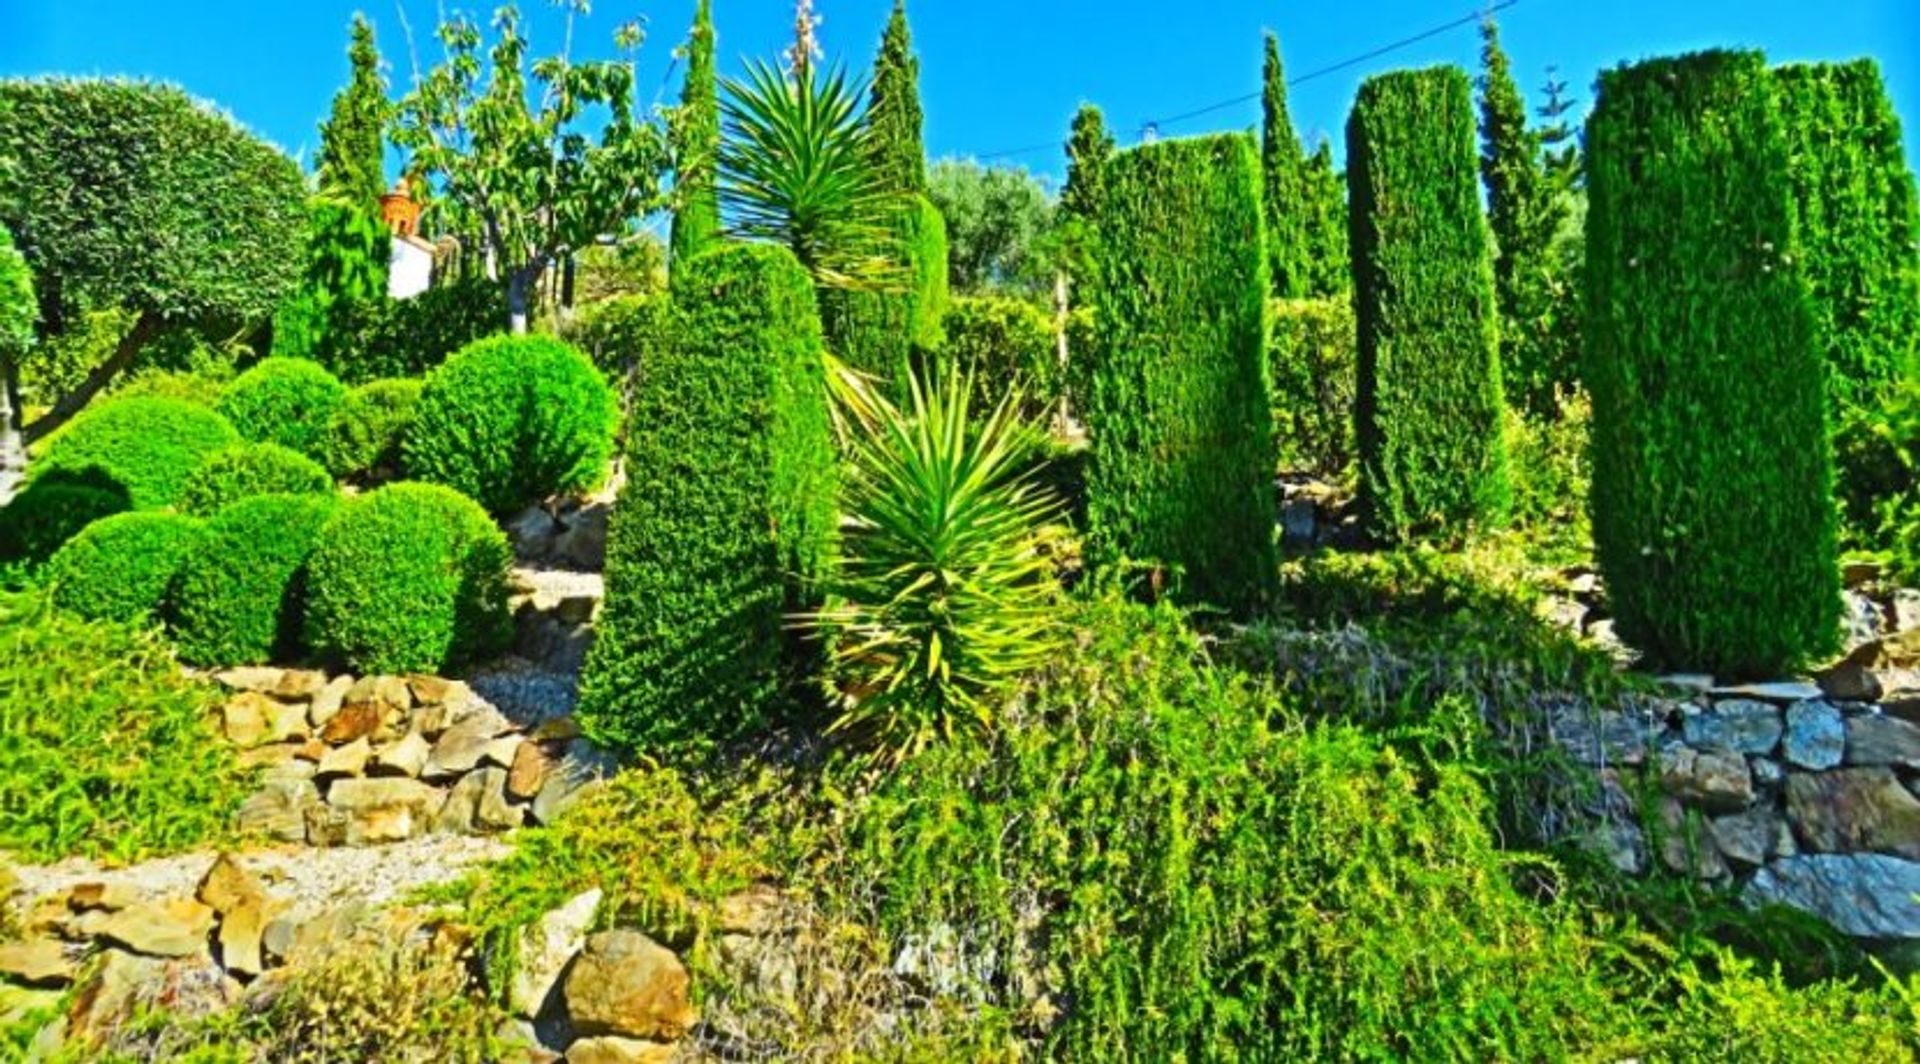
409, 269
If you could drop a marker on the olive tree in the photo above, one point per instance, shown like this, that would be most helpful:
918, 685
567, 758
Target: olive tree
501, 144
132, 196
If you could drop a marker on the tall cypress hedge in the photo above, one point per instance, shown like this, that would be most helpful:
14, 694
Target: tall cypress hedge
1428, 406
1178, 406
880, 330
727, 512
1711, 466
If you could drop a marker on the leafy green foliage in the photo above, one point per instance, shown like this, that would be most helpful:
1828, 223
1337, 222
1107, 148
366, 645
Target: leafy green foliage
287, 401
409, 578
511, 420
893, 110
1712, 472
146, 447
727, 513
120, 567
1311, 350
19, 309
52, 509
696, 143
1326, 226
368, 428
1552, 471
999, 227
1178, 404
382, 338
1429, 403
105, 749
346, 264
1005, 346
623, 334
241, 593
353, 142
1286, 197
939, 600
883, 329
250, 469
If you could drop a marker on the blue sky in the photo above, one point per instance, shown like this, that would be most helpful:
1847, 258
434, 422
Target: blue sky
996, 74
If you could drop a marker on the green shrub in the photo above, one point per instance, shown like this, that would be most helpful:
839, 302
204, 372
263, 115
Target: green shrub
727, 513
105, 749
369, 427
201, 387
1552, 472
511, 420
250, 469
409, 578
51, 510
1311, 350
880, 331
1428, 404
624, 333
369, 340
1712, 470
240, 594
147, 447
287, 401
1182, 428
119, 568
926, 241
1007, 344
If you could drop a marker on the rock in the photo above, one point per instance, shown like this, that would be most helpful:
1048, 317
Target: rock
278, 810
271, 756
1854, 809
1690, 683
111, 994
105, 897
1783, 692
1864, 895
1858, 573
528, 771
1714, 780
461, 747
257, 678
576, 609
389, 692
1815, 737
299, 685
577, 773
1747, 838
1603, 635
1767, 773
766, 969
758, 910
384, 809
434, 690
1850, 681
611, 1050
355, 720
582, 543
328, 701
457, 814
1564, 613
345, 761
1875, 740
494, 812
39, 962
286, 722
241, 936
624, 983
545, 949
175, 928
326, 826
501, 752
1906, 609
228, 886
1687, 845
532, 533
1737, 724
1860, 621
406, 757
245, 718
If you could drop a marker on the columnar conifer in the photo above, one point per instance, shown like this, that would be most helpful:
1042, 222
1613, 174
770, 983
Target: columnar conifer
353, 141
1287, 199
696, 221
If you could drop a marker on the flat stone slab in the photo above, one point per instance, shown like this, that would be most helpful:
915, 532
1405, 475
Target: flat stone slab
1863, 895
1785, 692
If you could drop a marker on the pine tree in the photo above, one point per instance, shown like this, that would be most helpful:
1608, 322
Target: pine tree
697, 141
893, 111
1558, 141
353, 138
1284, 184
1524, 213
1328, 273
1089, 146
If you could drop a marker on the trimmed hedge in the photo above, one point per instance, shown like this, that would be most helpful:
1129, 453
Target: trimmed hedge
145, 446
120, 567
878, 331
250, 469
240, 594
368, 428
379, 339
1428, 402
1312, 352
52, 509
1006, 343
287, 401
511, 420
1712, 473
409, 578
727, 514
1179, 407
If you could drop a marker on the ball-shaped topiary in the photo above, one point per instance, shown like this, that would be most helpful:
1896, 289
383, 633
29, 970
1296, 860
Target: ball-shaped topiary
368, 427
248, 469
53, 509
409, 578
240, 593
287, 401
146, 447
119, 568
511, 420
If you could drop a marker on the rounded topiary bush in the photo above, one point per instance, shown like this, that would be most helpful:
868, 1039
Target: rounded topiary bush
53, 509
240, 593
409, 578
250, 469
119, 568
146, 447
511, 420
287, 401
368, 427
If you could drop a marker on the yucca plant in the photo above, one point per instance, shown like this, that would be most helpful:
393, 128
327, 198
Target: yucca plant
941, 598
795, 169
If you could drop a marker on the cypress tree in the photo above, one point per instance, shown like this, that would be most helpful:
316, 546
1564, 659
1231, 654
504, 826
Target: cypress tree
1559, 141
1328, 271
1288, 204
1524, 214
697, 134
353, 142
893, 111
1711, 468
1428, 404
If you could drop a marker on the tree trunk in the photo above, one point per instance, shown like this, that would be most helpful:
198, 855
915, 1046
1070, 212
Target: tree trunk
1062, 313
101, 376
520, 288
13, 449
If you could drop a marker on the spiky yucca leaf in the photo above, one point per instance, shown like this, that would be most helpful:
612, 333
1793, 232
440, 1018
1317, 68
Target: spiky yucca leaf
941, 598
